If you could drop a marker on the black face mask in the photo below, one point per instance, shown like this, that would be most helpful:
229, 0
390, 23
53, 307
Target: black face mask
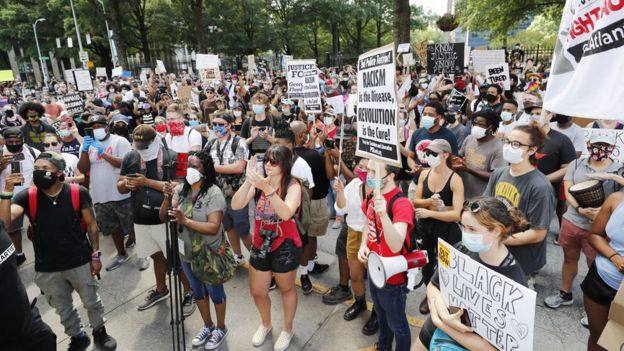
44, 179
14, 148
450, 118
489, 97
120, 131
561, 119
9, 113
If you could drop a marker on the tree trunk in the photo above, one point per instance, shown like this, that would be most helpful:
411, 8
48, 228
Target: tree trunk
197, 8
117, 25
145, 43
401, 22
358, 37
378, 24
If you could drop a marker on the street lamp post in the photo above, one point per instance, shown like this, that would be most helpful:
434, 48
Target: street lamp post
109, 36
71, 3
43, 68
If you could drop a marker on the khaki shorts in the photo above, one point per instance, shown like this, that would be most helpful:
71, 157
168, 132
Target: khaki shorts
150, 239
320, 217
354, 239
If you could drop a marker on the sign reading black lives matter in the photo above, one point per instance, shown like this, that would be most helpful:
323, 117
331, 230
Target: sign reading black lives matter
303, 84
500, 310
73, 104
445, 58
377, 108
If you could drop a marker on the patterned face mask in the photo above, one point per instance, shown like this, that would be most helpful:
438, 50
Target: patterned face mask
600, 152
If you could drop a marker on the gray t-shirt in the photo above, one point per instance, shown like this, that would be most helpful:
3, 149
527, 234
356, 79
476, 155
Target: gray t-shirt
209, 202
532, 194
460, 131
483, 157
576, 173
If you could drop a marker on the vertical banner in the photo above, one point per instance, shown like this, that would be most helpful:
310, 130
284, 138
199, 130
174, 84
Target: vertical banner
500, 310
377, 107
498, 73
303, 84
251, 62
445, 58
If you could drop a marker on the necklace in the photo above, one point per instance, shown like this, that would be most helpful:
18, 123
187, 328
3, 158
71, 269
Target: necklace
54, 198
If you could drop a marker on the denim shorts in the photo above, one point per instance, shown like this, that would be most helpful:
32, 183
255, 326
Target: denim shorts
201, 289
236, 219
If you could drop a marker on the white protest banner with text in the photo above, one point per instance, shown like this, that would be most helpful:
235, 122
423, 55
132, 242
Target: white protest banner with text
482, 58
351, 103
69, 76
303, 84
500, 310
206, 61
100, 72
117, 72
377, 107
82, 77
498, 73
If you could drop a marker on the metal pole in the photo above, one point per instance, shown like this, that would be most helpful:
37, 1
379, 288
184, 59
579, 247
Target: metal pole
108, 35
43, 68
71, 3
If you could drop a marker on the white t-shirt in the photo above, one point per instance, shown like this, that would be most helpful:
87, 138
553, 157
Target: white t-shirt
103, 176
71, 164
183, 143
28, 166
506, 128
353, 207
302, 170
575, 133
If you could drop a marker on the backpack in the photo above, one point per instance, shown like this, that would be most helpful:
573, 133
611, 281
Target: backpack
302, 217
234, 145
32, 208
408, 245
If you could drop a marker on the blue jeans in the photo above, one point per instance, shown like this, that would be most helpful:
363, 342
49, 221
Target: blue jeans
201, 289
390, 307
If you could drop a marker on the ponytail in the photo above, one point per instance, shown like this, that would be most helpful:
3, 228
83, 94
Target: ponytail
537, 136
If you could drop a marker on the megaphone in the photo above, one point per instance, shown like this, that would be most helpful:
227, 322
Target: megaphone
382, 268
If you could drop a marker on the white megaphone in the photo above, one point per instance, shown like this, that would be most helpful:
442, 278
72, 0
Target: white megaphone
382, 268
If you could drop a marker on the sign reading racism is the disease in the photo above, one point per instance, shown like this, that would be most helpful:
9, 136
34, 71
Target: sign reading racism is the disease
303, 84
377, 107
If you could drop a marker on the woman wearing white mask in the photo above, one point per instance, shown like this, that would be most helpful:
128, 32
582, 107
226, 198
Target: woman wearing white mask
508, 118
258, 131
438, 200
486, 222
523, 186
239, 117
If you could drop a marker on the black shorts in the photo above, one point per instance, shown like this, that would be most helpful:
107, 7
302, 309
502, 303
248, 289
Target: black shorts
596, 289
341, 241
426, 332
282, 260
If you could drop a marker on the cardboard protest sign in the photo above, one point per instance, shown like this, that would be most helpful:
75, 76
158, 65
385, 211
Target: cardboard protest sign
456, 98
160, 67
206, 61
337, 104
483, 58
612, 337
377, 107
69, 76
408, 59
117, 72
82, 77
498, 73
500, 310
262, 65
587, 62
73, 104
100, 72
6, 76
303, 84
445, 58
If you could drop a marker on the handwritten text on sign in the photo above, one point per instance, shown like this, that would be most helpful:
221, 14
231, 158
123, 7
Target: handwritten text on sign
445, 58
498, 74
501, 310
377, 106
303, 84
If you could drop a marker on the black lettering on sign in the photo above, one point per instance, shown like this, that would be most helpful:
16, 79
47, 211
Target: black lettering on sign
445, 58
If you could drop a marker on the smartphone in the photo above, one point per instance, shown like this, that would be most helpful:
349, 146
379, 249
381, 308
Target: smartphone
465, 319
16, 166
134, 175
262, 129
260, 164
329, 143
89, 132
18, 157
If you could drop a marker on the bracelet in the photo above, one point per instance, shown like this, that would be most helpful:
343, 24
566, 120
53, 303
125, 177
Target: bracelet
95, 258
271, 194
615, 254
6, 195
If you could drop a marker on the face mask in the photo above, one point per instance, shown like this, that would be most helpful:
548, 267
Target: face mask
372, 182
451, 119
111, 90
193, 176
489, 97
151, 153
14, 148
561, 119
478, 132
361, 174
427, 122
161, 128
600, 152
99, 134
328, 121
258, 109
176, 128
506, 116
220, 130
474, 242
433, 161
424, 85
193, 123
33, 118
120, 130
64, 133
511, 155
44, 179
238, 113
9, 113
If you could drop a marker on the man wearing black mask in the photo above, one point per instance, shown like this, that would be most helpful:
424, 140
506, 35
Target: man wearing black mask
120, 126
493, 98
34, 130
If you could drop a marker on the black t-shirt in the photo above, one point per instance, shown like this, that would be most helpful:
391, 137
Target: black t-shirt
71, 147
317, 164
59, 241
557, 150
13, 299
259, 145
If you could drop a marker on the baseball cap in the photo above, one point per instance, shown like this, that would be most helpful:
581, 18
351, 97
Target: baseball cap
599, 136
226, 117
142, 136
12, 132
121, 118
54, 158
97, 119
439, 146
529, 105
329, 112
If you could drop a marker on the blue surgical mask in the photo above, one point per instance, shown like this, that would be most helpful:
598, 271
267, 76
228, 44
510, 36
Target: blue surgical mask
372, 182
220, 130
64, 133
258, 109
99, 134
427, 122
193, 123
474, 242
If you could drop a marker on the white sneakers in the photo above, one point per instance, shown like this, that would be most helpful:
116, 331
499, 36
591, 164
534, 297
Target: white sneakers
282, 343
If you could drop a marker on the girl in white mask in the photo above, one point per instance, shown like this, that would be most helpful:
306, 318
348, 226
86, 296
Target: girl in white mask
438, 202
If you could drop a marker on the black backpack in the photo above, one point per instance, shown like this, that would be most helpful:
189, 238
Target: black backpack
408, 245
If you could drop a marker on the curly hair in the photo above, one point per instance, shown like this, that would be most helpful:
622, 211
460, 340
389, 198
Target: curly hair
31, 106
493, 213
210, 176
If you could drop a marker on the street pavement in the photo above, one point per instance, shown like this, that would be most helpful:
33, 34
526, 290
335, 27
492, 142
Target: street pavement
317, 326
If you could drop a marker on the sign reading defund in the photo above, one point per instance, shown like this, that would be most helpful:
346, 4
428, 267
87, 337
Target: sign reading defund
501, 310
303, 84
377, 108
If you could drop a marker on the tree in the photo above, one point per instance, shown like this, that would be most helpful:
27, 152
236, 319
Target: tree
402, 19
383, 12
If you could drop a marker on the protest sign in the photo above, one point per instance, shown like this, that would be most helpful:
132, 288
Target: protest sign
498, 73
206, 61
117, 72
456, 98
6, 76
408, 59
100, 72
405, 47
69, 76
82, 77
303, 84
445, 58
251, 62
483, 58
587, 62
377, 108
160, 67
73, 104
126, 74
337, 104
500, 310
351, 104
262, 65
208, 75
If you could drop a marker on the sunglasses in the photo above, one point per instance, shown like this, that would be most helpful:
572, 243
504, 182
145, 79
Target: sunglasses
474, 207
272, 161
430, 153
219, 124
54, 143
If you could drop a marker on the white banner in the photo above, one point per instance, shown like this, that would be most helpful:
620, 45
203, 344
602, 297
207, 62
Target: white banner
160, 67
337, 104
377, 107
303, 84
100, 72
500, 310
206, 61
83, 80
482, 58
498, 74
117, 72
351, 103
586, 76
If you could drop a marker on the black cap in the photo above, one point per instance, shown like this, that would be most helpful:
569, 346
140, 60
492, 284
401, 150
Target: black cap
97, 119
12, 132
226, 117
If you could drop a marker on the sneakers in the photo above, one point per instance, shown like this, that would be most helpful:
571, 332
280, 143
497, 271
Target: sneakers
557, 300
188, 304
585, 320
204, 334
283, 341
240, 260
152, 298
337, 223
319, 268
116, 262
336, 295
130, 243
260, 335
21, 258
144, 263
218, 335
103, 340
273, 284
79, 343
306, 284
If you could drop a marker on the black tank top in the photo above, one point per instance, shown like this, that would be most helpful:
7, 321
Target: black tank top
446, 194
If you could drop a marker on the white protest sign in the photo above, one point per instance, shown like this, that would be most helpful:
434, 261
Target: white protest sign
251, 62
351, 104
69, 76
337, 104
405, 47
377, 107
498, 73
100, 72
500, 310
303, 84
206, 61
160, 67
586, 75
83, 80
482, 58
404, 89
408, 59
117, 72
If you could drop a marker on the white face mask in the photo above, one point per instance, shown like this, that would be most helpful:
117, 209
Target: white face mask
511, 155
506, 116
238, 113
478, 132
433, 161
328, 121
193, 176
151, 153
99, 134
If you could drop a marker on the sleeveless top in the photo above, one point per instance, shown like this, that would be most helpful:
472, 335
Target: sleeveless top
446, 194
606, 269
265, 218
449, 231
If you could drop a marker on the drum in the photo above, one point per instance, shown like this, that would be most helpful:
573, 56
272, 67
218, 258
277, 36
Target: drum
588, 194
